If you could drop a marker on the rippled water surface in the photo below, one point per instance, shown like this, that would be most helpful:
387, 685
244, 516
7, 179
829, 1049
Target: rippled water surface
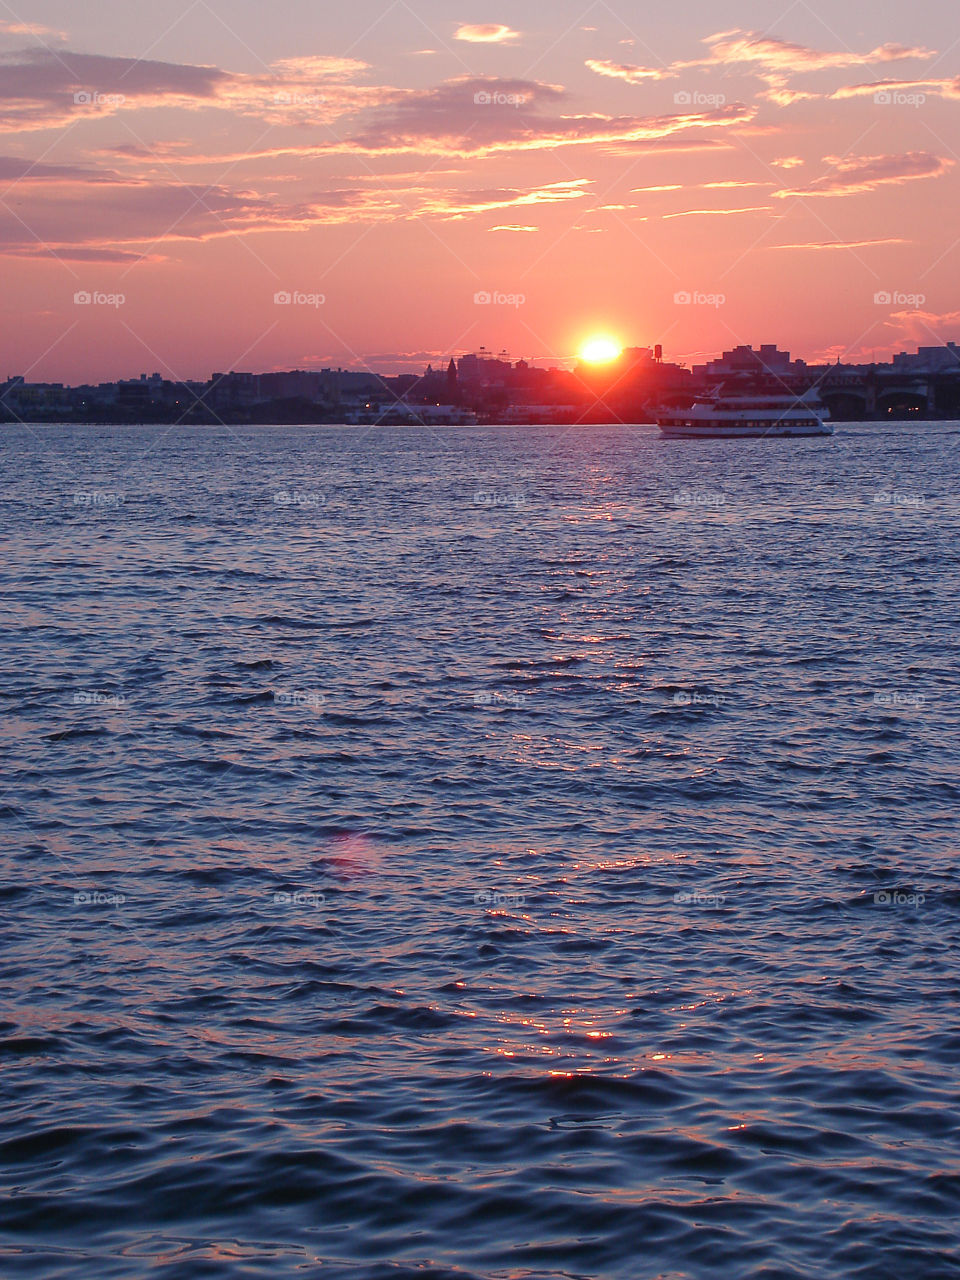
480, 853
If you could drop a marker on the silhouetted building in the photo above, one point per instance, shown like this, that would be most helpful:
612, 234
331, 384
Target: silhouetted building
929, 360
744, 361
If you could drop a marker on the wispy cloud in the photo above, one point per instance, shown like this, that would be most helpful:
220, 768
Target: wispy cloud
471, 116
625, 71
89, 214
942, 88
460, 204
475, 116
851, 175
773, 54
115, 216
927, 328
36, 29
42, 89
841, 244
717, 213
768, 57
14, 169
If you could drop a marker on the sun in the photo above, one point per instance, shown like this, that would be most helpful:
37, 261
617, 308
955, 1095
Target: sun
600, 350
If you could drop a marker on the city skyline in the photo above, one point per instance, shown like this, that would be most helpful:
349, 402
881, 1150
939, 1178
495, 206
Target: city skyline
525, 183
632, 385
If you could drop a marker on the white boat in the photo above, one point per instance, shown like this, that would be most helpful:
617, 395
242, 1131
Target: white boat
749, 417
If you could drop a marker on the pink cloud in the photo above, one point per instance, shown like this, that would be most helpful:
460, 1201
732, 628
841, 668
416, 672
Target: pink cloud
96, 215
926, 328
943, 88
110, 215
771, 57
42, 89
783, 55
851, 175
475, 116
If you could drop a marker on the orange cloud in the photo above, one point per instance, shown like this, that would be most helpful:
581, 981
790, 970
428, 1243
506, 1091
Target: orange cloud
31, 29
317, 67
697, 213
840, 244
731, 182
625, 71
458, 205
485, 33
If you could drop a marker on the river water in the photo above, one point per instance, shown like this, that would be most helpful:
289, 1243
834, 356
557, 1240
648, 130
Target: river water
510, 853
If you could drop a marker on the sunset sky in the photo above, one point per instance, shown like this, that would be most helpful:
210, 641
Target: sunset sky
586, 166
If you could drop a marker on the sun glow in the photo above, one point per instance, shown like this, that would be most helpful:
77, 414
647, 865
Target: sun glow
600, 350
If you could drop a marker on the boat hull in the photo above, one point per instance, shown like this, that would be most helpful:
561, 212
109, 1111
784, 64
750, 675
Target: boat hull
744, 431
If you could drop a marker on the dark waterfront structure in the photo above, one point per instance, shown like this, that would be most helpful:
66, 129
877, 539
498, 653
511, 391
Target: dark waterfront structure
924, 384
